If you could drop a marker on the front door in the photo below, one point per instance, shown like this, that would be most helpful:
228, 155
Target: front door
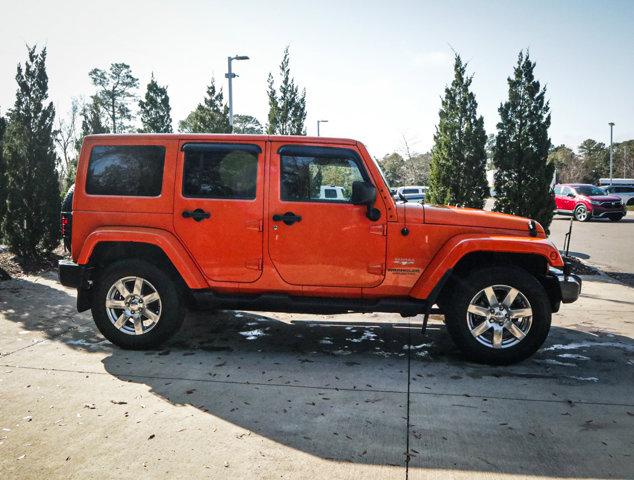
219, 206
317, 237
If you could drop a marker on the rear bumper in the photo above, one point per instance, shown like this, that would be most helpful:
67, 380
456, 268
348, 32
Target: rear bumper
569, 283
73, 275
77, 276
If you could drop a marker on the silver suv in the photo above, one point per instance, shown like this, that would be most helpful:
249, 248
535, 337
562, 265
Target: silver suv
626, 192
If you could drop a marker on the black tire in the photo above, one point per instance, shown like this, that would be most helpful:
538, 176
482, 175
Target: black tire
467, 287
581, 214
616, 218
172, 310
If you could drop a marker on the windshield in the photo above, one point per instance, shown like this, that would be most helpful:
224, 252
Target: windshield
589, 190
378, 167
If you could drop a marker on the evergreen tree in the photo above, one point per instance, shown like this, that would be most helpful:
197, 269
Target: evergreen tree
115, 90
287, 107
458, 164
247, 124
155, 110
3, 183
524, 175
31, 222
211, 116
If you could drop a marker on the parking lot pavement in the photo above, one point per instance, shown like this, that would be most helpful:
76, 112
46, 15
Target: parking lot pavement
608, 245
245, 395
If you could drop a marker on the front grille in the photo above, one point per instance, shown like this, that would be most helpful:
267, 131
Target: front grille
610, 204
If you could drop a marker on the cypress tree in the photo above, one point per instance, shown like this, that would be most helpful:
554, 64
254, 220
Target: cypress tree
3, 183
155, 110
458, 163
287, 107
524, 175
31, 222
211, 116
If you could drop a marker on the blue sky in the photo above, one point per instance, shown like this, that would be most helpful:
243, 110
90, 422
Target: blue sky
375, 70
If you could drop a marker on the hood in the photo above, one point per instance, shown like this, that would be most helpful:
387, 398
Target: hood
602, 198
471, 217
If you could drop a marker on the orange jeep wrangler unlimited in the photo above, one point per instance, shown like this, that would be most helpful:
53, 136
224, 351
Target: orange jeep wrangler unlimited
160, 222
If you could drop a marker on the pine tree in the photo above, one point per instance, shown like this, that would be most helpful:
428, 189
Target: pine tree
458, 164
155, 110
287, 107
524, 175
115, 91
211, 116
31, 222
247, 124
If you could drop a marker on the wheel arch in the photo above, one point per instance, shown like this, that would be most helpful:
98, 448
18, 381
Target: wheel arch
461, 255
106, 245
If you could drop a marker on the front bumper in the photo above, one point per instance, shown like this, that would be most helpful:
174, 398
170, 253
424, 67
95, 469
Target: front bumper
569, 283
602, 212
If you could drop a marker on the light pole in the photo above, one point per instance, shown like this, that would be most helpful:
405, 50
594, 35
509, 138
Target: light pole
318, 122
230, 76
611, 128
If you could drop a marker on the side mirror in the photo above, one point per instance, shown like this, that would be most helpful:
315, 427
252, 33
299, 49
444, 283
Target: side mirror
571, 195
364, 193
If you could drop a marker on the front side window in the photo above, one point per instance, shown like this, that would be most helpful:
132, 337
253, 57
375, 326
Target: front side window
220, 171
411, 191
124, 170
318, 174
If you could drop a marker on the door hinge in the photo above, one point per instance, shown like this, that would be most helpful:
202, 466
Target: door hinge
378, 269
254, 225
254, 264
378, 229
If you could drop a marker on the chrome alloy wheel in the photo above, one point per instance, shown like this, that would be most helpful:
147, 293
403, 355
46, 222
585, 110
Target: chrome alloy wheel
581, 213
133, 305
499, 316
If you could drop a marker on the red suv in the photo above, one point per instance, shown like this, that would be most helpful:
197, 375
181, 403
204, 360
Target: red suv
585, 201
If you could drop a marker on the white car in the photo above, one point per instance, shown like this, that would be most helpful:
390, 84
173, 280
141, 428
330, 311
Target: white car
331, 192
412, 193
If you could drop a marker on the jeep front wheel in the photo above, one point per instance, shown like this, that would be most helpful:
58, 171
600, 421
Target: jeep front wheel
498, 315
136, 305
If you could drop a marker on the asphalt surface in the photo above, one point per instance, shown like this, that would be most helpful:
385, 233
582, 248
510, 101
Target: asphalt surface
608, 245
246, 395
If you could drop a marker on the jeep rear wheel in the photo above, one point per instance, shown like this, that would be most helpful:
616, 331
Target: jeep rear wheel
136, 305
498, 315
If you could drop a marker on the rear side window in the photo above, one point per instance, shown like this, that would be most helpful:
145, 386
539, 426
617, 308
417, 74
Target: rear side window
316, 174
220, 171
558, 190
123, 170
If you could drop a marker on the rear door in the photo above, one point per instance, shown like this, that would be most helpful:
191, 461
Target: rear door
218, 207
316, 241
565, 202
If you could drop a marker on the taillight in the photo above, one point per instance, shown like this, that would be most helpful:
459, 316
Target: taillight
66, 228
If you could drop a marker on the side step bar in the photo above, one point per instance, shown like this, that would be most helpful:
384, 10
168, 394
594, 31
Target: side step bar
318, 305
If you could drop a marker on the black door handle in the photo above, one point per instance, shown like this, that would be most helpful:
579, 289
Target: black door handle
289, 218
198, 215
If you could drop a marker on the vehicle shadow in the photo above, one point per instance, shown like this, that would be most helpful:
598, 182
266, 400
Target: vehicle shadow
333, 388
